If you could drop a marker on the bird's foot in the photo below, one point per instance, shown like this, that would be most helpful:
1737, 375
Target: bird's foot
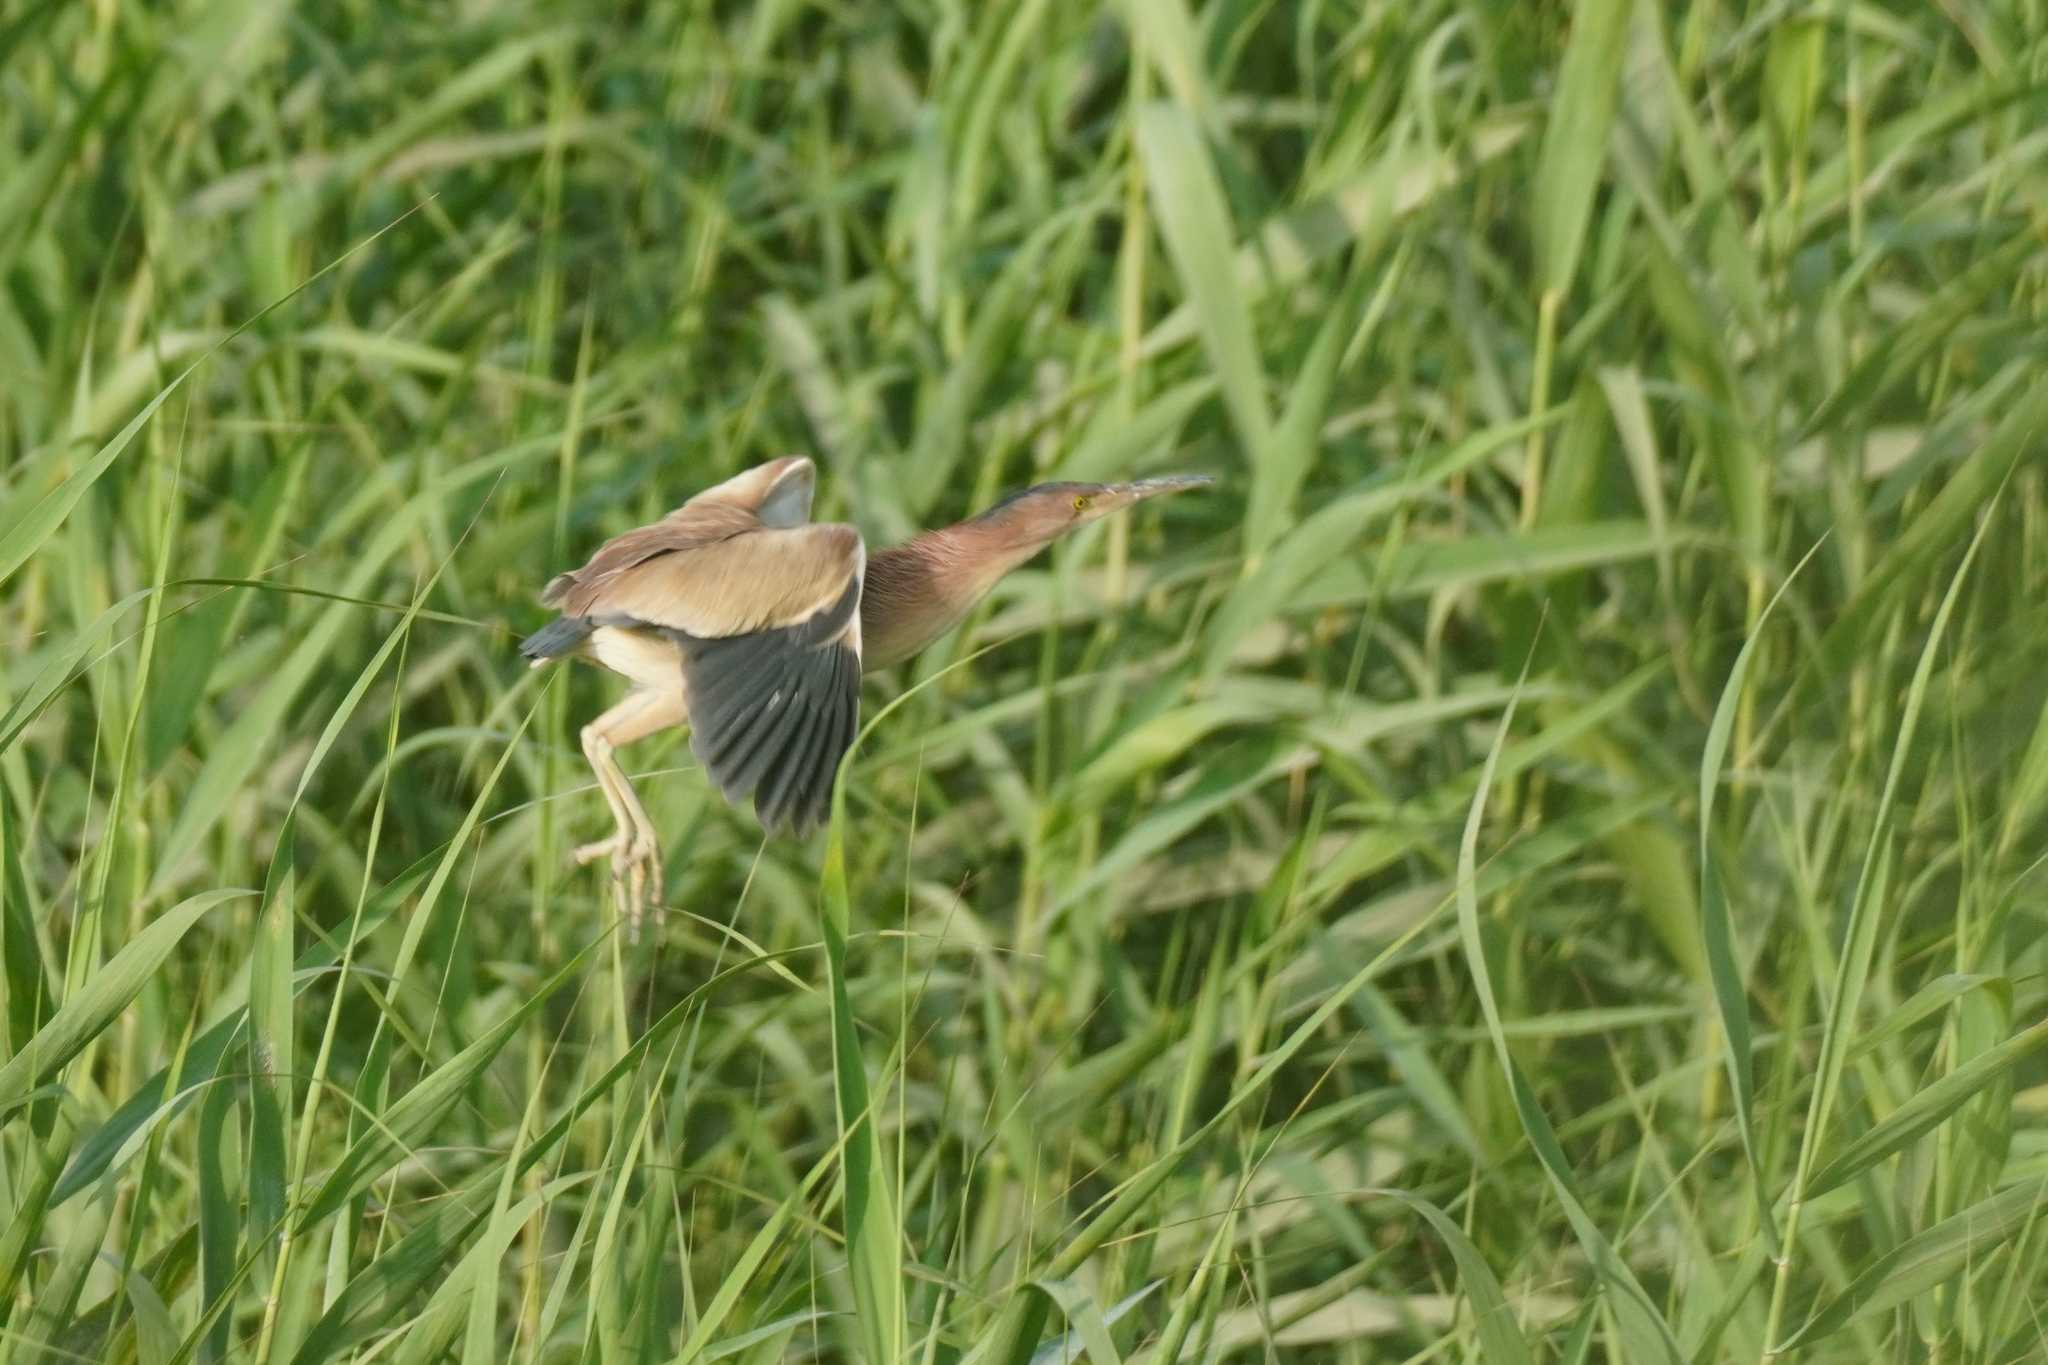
636, 871
603, 848
638, 868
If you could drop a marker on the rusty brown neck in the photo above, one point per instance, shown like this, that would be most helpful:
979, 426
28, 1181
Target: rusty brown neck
917, 591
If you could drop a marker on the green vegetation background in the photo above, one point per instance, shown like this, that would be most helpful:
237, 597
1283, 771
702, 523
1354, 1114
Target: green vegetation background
1541, 864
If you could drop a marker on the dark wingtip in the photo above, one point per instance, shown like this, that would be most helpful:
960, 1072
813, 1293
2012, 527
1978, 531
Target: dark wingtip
770, 716
557, 637
805, 804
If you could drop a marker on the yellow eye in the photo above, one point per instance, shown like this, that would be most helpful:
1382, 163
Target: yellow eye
1081, 503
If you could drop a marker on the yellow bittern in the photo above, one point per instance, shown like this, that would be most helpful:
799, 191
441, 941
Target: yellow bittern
738, 616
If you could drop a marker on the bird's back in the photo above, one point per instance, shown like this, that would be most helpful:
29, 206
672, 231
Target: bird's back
692, 526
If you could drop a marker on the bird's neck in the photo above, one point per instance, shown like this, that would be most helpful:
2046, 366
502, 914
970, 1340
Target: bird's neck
917, 591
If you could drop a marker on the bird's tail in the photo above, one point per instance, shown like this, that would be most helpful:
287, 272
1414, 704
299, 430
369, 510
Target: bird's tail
559, 636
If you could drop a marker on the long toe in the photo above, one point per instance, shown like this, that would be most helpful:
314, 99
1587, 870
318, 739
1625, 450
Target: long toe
629, 878
650, 859
603, 848
633, 893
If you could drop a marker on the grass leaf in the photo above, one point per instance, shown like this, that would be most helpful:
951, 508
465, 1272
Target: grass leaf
1575, 138
1927, 1108
1933, 1256
111, 989
1188, 201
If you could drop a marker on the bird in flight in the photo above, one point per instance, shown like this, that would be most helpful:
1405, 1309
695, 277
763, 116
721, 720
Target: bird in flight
737, 615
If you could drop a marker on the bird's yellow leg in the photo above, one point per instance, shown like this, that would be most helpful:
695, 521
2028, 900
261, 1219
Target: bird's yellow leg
633, 848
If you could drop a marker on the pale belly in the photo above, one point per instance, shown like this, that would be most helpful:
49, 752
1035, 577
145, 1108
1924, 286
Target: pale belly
647, 659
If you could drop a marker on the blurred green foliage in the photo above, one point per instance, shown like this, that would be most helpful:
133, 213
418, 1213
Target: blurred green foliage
1309, 922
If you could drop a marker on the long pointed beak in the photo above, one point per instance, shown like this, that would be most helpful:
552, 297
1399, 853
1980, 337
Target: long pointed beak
1124, 494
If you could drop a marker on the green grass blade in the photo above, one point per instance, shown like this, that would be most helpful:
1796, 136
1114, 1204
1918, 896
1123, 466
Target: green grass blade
220, 1226
1188, 201
1906, 349
236, 755
1083, 1317
373, 1299
1500, 1340
270, 1048
1930, 1000
1024, 1319
1643, 1328
1717, 926
20, 1238
1932, 1257
27, 979
1927, 1108
430, 1334
415, 1113
1575, 140
156, 1333
1839, 1028
117, 1140
699, 1344
1283, 466
36, 523
64, 669
1939, 525
874, 1237
942, 436
1145, 936
1337, 529
109, 991
1165, 32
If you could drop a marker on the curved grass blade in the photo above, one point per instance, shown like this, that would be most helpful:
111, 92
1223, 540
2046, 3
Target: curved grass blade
1927, 1108
1086, 1323
390, 1283
63, 670
114, 1140
874, 1237
1859, 935
119, 1136
1930, 1000
1926, 1259
698, 1345
414, 1114
106, 993
1644, 1331
1188, 201
1717, 928
25, 534
435, 1328
1336, 529
1575, 141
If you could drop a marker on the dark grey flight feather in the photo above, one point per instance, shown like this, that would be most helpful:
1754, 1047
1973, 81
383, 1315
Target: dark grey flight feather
802, 793
772, 712
774, 800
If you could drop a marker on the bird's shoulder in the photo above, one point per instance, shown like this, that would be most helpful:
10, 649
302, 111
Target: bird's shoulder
690, 527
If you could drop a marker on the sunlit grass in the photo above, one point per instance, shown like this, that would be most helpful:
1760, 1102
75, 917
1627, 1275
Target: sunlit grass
1309, 922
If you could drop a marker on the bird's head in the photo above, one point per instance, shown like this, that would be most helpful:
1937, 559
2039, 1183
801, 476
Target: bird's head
1041, 514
